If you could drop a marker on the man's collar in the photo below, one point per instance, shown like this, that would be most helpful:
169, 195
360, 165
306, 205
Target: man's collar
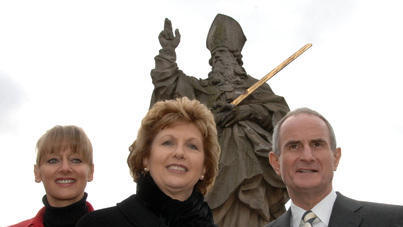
323, 210
296, 214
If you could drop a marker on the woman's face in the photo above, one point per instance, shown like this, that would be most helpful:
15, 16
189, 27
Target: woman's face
64, 176
176, 161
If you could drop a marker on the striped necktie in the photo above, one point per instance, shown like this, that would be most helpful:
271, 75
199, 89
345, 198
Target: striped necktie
308, 218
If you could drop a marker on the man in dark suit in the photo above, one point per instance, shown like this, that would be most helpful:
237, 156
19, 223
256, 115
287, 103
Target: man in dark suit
305, 155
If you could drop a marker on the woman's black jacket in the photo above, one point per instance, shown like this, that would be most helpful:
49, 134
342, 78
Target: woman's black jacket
150, 207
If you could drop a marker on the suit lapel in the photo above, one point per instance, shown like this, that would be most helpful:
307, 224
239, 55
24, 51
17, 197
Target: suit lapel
283, 220
344, 212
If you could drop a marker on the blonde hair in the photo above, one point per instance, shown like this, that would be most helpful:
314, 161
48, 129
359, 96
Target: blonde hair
162, 115
60, 138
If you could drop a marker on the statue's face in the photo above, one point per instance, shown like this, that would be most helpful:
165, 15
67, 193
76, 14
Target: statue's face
225, 65
222, 56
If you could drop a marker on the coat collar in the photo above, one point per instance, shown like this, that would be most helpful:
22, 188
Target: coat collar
37, 221
137, 214
283, 221
344, 212
151, 207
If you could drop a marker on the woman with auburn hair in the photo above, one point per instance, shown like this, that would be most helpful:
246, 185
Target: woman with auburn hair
174, 163
64, 165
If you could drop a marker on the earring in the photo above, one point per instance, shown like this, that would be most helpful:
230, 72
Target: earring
146, 169
202, 177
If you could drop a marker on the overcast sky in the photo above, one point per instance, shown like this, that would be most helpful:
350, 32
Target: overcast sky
88, 63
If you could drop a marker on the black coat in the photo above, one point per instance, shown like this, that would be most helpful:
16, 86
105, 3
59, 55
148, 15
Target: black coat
150, 207
352, 213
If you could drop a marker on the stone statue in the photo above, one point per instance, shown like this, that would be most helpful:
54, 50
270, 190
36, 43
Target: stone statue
247, 192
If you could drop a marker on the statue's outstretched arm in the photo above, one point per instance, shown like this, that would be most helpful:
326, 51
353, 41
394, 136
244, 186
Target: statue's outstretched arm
169, 82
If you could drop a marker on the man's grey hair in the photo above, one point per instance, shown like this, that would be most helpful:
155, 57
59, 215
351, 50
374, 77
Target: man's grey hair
304, 110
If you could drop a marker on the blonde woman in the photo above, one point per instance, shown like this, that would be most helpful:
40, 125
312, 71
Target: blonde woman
64, 166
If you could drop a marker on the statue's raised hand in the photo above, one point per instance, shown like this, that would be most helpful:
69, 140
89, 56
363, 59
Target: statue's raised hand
167, 39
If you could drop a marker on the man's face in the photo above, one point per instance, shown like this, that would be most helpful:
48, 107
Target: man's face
306, 162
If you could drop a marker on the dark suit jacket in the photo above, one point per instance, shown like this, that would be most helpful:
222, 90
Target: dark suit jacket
352, 213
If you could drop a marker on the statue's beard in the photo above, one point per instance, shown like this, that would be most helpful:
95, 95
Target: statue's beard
227, 72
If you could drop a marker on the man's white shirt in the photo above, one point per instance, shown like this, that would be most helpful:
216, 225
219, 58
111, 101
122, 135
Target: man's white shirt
323, 210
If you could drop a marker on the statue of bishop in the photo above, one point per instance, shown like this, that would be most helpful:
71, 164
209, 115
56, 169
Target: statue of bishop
247, 192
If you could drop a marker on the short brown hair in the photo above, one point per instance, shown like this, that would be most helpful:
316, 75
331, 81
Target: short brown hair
162, 115
60, 138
